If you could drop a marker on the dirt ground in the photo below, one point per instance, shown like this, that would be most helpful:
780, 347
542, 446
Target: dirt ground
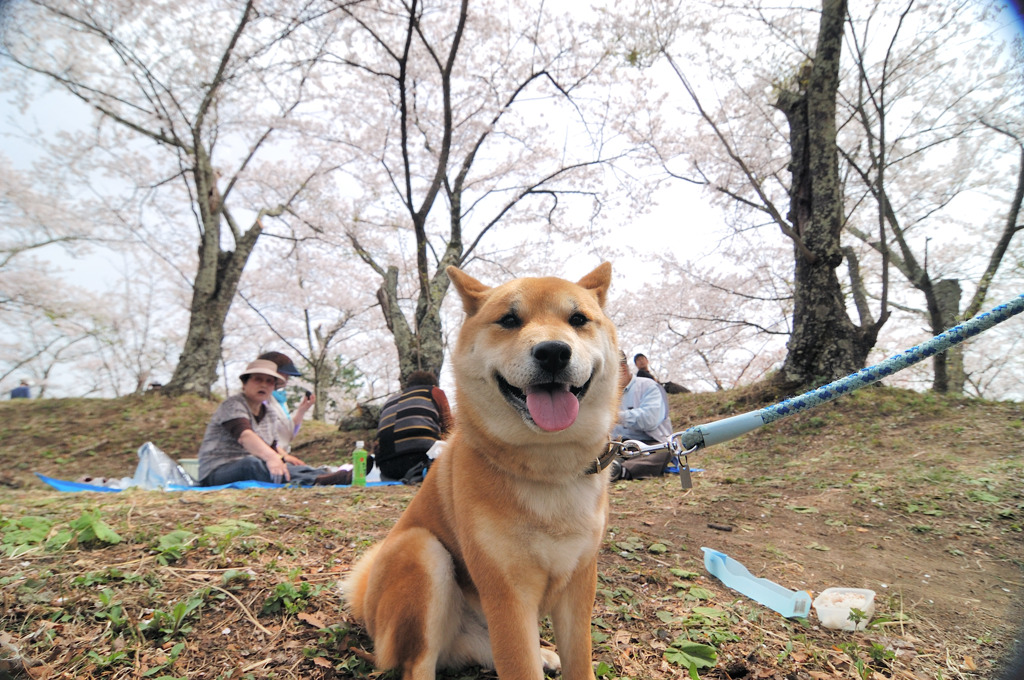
916, 497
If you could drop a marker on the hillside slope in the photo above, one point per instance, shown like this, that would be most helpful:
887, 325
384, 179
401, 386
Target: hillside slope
917, 497
70, 438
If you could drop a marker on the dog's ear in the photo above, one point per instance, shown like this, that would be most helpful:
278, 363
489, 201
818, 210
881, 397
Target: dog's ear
598, 282
470, 290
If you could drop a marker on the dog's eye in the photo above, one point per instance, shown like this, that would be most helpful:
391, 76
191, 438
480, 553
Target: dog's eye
510, 321
577, 320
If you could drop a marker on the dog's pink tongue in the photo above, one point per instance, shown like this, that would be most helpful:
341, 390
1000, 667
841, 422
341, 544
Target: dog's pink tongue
552, 407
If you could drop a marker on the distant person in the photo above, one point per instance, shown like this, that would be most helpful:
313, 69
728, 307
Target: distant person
643, 367
22, 391
241, 444
410, 423
288, 423
643, 416
643, 370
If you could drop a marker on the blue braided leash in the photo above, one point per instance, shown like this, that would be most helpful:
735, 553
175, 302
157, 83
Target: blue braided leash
719, 431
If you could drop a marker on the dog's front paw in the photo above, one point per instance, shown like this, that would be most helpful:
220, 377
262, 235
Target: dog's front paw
551, 660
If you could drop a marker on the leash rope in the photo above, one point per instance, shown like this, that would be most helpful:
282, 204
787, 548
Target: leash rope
701, 436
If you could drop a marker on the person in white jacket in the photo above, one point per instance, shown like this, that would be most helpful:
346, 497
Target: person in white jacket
643, 413
643, 416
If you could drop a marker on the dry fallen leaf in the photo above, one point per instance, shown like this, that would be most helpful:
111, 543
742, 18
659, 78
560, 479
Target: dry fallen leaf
311, 620
41, 672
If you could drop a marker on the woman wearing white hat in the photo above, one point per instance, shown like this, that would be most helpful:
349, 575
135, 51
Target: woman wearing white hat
240, 442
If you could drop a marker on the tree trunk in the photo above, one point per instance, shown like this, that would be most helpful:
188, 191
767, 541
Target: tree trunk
949, 376
197, 365
214, 289
422, 348
825, 344
212, 296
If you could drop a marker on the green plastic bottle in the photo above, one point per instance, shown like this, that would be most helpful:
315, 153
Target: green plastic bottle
359, 465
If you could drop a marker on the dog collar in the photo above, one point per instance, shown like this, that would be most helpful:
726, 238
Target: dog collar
604, 460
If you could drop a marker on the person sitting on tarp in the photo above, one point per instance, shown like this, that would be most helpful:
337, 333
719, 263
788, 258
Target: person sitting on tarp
240, 443
643, 416
410, 423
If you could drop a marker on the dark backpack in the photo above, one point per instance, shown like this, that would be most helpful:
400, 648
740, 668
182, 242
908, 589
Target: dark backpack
409, 426
649, 465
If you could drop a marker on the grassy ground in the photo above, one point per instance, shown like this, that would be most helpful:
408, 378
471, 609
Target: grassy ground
916, 497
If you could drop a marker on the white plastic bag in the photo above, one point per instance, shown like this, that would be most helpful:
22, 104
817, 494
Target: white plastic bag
156, 470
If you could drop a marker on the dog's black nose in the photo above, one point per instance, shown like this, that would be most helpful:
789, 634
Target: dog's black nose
552, 356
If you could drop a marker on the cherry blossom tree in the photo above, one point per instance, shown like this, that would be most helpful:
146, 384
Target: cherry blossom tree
824, 342
892, 110
472, 121
193, 104
897, 129
424, 133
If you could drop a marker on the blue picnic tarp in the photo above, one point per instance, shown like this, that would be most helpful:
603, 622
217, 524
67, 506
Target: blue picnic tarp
68, 485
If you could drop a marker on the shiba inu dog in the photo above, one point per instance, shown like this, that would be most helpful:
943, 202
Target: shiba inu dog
508, 523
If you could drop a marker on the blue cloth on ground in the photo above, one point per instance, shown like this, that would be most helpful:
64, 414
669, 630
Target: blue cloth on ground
674, 469
67, 485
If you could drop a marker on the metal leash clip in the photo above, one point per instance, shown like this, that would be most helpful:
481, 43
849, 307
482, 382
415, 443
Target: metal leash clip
632, 448
684, 468
675, 443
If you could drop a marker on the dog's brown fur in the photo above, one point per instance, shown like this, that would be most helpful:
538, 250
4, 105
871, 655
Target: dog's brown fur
507, 526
